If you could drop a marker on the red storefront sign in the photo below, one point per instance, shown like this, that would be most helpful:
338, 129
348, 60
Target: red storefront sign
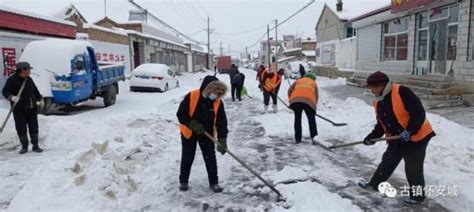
109, 57
403, 5
9, 61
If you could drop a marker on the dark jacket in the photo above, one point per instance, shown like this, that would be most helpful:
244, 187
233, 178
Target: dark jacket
28, 97
204, 112
238, 79
387, 116
232, 72
302, 71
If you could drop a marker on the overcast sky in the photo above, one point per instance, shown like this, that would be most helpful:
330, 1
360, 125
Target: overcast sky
228, 17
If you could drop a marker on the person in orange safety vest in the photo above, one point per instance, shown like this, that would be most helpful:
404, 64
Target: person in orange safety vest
202, 110
303, 95
271, 82
399, 112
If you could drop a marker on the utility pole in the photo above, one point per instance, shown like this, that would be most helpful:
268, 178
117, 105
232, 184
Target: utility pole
221, 49
247, 53
276, 44
209, 59
268, 47
105, 8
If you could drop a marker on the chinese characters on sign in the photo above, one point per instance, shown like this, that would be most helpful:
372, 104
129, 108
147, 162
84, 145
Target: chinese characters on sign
9, 61
109, 57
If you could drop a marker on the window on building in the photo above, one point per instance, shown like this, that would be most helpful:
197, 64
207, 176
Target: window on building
452, 32
395, 39
423, 44
350, 32
452, 42
422, 25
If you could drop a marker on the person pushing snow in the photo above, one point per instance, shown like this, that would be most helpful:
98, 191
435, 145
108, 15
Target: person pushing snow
271, 86
399, 112
202, 110
303, 96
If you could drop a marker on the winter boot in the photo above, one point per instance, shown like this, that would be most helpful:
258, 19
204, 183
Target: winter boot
216, 188
275, 108
265, 109
183, 186
34, 142
365, 185
24, 144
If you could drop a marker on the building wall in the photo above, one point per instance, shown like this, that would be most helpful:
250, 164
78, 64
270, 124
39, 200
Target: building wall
464, 67
99, 35
369, 50
329, 27
308, 45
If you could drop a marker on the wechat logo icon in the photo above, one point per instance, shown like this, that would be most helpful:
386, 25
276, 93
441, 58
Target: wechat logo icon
386, 189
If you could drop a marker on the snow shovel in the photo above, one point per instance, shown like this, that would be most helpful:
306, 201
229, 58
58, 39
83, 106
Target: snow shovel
319, 116
11, 109
280, 197
361, 142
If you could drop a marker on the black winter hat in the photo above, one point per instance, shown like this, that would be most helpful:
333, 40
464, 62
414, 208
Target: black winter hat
22, 66
377, 78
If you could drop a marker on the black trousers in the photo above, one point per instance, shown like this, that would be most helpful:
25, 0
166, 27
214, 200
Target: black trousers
236, 90
414, 156
267, 95
187, 157
26, 119
298, 108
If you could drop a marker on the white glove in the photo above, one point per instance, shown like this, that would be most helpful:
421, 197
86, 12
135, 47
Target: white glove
40, 103
14, 99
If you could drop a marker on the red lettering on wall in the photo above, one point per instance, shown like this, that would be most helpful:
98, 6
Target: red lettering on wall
9, 61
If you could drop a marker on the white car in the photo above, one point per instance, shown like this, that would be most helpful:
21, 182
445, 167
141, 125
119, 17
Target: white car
153, 77
292, 69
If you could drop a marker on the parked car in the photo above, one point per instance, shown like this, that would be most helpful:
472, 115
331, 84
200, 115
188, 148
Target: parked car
292, 69
153, 77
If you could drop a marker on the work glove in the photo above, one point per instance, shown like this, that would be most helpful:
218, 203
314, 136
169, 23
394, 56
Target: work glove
14, 99
196, 127
40, 103
222, 147
368, 141
405, 136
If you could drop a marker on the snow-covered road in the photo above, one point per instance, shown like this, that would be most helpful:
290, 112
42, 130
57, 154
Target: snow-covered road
127, 157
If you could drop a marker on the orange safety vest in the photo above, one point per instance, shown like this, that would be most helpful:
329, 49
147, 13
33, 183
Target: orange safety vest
403, 117
194, 97
305, 88
272, 83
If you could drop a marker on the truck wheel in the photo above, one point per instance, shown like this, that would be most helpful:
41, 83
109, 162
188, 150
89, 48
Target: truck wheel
47, 105
110, 95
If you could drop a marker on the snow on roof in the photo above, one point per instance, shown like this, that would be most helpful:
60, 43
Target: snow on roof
133, 32
286, 58
353, 8
309, 53
292, 50
85, 26
151, 68
37, 16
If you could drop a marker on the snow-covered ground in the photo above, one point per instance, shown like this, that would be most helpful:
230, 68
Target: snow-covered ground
127, 157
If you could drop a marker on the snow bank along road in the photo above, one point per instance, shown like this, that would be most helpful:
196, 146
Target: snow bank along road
127, 157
